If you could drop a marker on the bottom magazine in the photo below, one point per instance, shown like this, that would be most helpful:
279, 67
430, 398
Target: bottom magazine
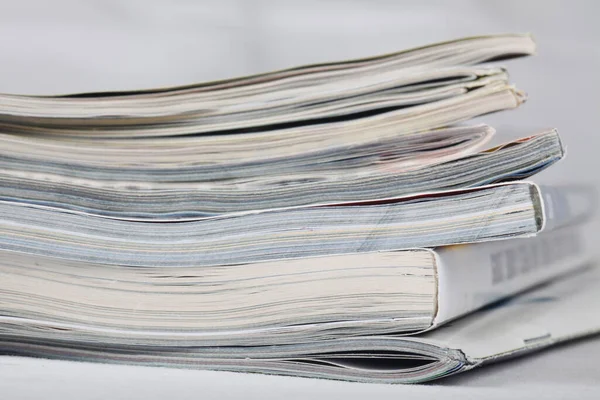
561, 310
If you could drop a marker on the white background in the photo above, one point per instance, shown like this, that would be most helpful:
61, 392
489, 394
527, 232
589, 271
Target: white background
49, 47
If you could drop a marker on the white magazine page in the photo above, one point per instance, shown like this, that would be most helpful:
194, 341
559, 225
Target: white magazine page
563, 204
472, 276
562, 310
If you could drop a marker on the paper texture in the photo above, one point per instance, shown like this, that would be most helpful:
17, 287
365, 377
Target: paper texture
562, 310
470, 277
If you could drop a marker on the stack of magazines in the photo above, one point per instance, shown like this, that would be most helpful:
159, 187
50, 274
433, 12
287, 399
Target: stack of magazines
321, 221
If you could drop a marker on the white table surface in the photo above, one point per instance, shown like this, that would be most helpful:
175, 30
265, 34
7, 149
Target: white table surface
72, 46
